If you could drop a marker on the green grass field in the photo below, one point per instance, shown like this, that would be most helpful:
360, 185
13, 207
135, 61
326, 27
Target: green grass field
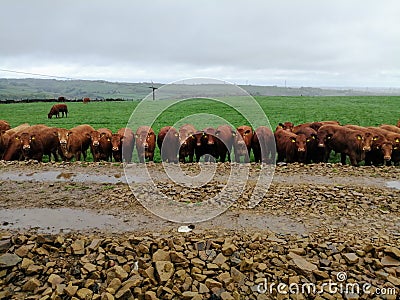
364, 111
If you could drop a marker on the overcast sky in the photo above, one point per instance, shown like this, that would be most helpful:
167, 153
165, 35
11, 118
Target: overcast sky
305, 42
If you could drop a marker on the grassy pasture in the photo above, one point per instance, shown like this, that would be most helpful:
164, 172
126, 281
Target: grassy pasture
364, 111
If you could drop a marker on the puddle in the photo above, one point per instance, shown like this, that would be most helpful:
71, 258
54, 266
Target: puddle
55, 220
68, 176
48, 220
393, 184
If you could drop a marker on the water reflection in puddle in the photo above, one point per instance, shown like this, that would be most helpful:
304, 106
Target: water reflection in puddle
393, 184
68, 176
53, 220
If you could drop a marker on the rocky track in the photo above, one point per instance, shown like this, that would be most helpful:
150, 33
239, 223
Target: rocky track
77, 231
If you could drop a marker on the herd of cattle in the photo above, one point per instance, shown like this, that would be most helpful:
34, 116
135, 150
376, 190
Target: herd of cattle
304, 143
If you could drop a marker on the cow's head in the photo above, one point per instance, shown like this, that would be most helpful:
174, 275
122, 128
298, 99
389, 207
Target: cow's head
288, 126
198, 137
185, 136
368, 139
116, 141
387, 149
300, 141
49, 115
209, 136
144, 138
243, 136
26, 139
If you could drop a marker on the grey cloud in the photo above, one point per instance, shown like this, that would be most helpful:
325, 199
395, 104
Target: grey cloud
304, 40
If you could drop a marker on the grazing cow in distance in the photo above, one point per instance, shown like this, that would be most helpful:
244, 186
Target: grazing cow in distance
4, 126
145, 143
56, 109
263, 145
168, 143
187, 142
100, 145
242, 143
122, 144
225, 136
86, 100
290, 146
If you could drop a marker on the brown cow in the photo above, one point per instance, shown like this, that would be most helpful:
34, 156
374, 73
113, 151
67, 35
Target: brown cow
198, 148
86, 100
100, 144
290, 146
288, 126
391, 128
187, 142
392, 137
314, 153
33, 143
348, 142
145, 143
8, 143
74, 142
56, 109
168, 143
242, 143
263, 145
4, 126
123, 143
209, 144
380, 153
225, 135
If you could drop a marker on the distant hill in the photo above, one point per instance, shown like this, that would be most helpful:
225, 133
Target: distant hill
20, 89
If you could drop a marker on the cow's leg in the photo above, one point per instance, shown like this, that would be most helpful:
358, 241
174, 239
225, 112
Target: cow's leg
343, 158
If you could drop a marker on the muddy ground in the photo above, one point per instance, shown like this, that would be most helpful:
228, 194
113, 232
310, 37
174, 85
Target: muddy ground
301, 199
78, 231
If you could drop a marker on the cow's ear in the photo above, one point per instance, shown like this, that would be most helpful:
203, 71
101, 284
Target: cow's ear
293, 140
55, 133
359, 137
